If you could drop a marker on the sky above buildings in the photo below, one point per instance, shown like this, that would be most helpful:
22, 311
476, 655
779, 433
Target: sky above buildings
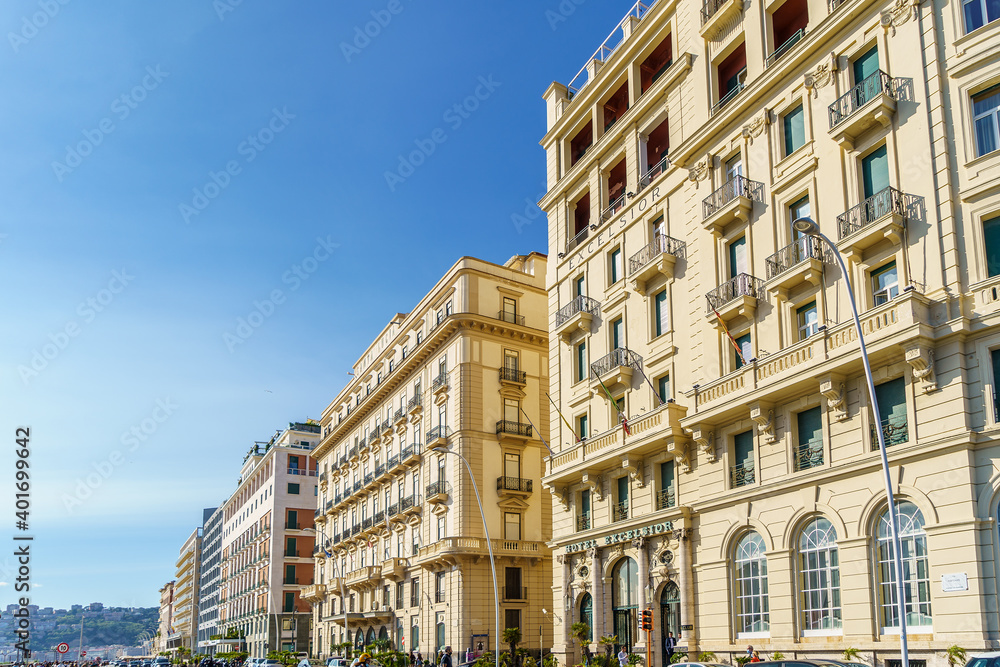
210, 208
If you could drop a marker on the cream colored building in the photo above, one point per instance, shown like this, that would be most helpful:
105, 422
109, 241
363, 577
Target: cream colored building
186, 594
166, 617
267, 545
748, 508
465, 371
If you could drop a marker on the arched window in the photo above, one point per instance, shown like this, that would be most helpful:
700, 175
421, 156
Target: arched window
359, 639
383, 634
819, 573
752, 613
625, 600
916, 575
370, 639
587, 614
670, 611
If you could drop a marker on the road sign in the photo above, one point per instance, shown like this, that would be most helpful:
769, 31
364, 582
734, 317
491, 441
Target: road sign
83, 653
63, 648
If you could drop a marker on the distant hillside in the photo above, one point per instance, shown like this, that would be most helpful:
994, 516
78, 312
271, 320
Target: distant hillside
110, 626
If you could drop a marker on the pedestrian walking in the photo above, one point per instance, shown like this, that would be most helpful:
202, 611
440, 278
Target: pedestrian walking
446, 658
669, 644
622, 657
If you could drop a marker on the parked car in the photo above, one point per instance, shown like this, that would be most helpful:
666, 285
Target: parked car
336, 662
990, 659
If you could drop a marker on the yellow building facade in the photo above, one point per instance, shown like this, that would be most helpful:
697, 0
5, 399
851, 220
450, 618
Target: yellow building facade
403, 553
743, 499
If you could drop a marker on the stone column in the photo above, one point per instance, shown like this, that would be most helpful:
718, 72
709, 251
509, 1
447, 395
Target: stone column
560, 639
686, 584
597, 593
643, 562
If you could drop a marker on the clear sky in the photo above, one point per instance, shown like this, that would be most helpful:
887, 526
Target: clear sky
171, 168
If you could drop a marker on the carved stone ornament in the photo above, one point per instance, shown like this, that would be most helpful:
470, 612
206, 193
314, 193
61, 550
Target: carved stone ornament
898, 14
561, 495
592, 552
818, 78
835, 392
594, 486
704, 439
699, 172
639, 542
763, 416
756, 127
666, 557
921, 358
634, 469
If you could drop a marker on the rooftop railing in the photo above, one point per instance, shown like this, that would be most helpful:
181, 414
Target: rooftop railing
608, 46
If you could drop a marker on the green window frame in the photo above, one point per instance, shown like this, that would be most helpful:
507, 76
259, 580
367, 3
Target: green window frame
615, 268
663, 387
794, 124
991, 239
809, 433
582, 371
661, 310
293, 489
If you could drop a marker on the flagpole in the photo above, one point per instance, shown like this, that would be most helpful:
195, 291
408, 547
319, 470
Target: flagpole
561, 417
536, 430
729, 335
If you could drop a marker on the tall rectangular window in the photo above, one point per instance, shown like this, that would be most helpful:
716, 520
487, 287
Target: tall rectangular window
618, 333
623, 492
986, 117
665, 495
995, 359
615, 265
891, 397
738, 257
293, 520
442, 528
875, 171
289, 605
582, 370
663, 387
439, 586
991, 237
809, 431
742, 471
512, 525
807, 320
512, 465
512, 583
978, 13
799, 209
579, 287
885, 284
794, 125
581, 427
864, 66
660, 314
742, 342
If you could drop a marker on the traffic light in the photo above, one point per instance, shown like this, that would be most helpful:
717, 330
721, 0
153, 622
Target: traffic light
646, 620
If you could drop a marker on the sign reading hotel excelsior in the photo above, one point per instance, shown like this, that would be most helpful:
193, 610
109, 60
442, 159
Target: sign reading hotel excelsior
624, 536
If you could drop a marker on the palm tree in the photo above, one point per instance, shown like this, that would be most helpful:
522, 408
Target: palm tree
512, 636
955, 655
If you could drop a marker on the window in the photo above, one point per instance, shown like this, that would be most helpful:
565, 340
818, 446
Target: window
289, 605
799, 209
738, 257
293, 488
512, 584
794, 124
414, 632
448, 309
415, 592
891, 397
582, 370
509, 313
292, 520
579, 287
511, 525
512, 465
439, 586
290, 574
625, 599
732, 73
442, 527
587, 614
875, 172
665, 496
991, 237
885, 284
986, 116
621, 509
512, 618
441, 469
819, 571
979, 12
290, 550
399, 595
583, 521
752, 613
807, 319
809, 430
581, 427
663, 388
742, 471
995, 361
745, 354
615, 265
439, 627
916, 568
618, 333
660, 308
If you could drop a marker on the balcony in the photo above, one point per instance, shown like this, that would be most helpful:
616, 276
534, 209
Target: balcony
378, 517
437, 437
364, 577
716, 13
414, 406
353, 453
399, 417
369, 478
580, 237
810, 455
410, 454
374, 436
514, 593
615, 206
665, 499
513, 376
653, 173
510, 318
513, 486
657, 258
393, 510
785, 48
356, 487
871, 102
731, 202
440, 383
615, 369
575, 316
366, 523
619, 511
507, 429
738, 296
895, 431
880, 217
410, 505
732, 92
379, 470
394, 569
392, 463
799, 262
741, 474
583, 523
437, 492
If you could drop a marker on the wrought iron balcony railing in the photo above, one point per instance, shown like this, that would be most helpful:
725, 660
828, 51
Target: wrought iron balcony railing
895, 431
620, 356
438, 487
737, 88
865, 91
741, 474
440, 381
653, 172
737, 186
882, 203
580, 237
512, 375
809, 455
512, 318
665, 498
785, 48
513, 484
379, 516
615, 206
435, 433
709, 9
366, 523
413, 403
581, 304
513, 428
583, 522
796, 252
742, 285
619, 511
660, 244
369, 478
407, 502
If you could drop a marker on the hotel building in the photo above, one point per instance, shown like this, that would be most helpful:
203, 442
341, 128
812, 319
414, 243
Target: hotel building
208, 586
267, 546
184, 630
166, 616
403, 544
746, 504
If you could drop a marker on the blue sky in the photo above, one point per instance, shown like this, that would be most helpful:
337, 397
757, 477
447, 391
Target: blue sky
169, 167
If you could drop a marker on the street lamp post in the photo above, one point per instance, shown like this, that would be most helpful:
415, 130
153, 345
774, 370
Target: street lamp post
489, 544
808, 227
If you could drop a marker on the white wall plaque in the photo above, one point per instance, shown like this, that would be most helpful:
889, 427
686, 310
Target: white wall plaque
954, 582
